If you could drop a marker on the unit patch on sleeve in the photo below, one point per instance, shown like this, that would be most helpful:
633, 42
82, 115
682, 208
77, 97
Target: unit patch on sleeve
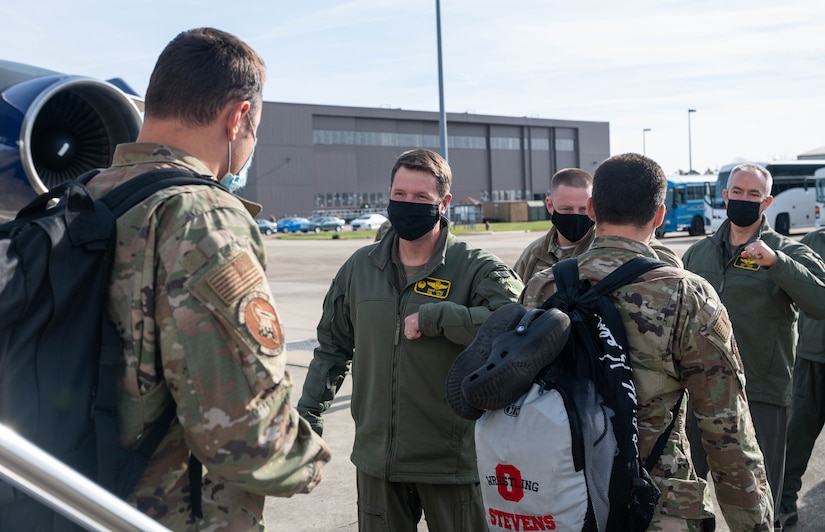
258, 315
745, 264
432, 287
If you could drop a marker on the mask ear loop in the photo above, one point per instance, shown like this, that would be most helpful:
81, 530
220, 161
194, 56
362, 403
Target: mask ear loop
229, 162
229, 145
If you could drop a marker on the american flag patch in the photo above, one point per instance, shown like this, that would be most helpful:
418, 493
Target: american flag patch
235, 279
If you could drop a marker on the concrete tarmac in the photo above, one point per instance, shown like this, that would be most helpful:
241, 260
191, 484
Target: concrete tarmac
299, 272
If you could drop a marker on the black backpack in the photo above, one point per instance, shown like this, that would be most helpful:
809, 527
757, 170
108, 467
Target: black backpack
60, 356
564, 455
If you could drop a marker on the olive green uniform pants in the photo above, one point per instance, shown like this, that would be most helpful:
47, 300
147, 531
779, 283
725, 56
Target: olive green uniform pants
385, 506
807, 420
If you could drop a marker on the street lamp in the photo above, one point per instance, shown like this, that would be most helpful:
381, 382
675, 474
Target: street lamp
644, 145
442, 114
690, 150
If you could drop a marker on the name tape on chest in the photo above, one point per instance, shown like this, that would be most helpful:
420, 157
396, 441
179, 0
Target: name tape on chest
432, 287
745, 264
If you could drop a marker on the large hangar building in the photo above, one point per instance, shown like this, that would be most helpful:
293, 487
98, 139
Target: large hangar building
313, 158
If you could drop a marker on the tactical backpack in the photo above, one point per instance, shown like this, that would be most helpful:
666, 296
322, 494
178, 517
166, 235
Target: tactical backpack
60, 356
564, 455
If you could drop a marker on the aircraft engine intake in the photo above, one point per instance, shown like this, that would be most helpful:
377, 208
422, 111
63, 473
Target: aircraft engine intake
54, 128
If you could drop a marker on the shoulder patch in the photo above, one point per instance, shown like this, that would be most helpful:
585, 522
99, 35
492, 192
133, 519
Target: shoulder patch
509, 279
432, 287
236, 278
257, 314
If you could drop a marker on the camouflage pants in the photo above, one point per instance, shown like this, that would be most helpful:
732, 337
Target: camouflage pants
667, 523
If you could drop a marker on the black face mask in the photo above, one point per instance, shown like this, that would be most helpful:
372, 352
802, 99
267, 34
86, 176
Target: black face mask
743, 213
573, 227
412, 220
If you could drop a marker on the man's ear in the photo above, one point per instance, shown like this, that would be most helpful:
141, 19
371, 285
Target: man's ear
548, 202
445, 203
235, 112
590, 212
659, 219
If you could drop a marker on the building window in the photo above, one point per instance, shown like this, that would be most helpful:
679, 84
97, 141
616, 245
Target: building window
540, 144
565, 145
403, 140
505, 143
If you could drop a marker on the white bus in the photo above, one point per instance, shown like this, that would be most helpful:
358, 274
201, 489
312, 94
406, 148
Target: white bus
819, 176
793, 191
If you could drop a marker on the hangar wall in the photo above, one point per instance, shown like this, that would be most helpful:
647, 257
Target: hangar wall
317, 157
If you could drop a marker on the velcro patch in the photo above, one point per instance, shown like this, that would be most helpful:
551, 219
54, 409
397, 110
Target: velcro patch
261, 321
432, 287
745, 264
722, 326
236, 278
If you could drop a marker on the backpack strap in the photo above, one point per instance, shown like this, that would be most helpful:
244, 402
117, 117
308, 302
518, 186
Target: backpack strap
87, 176
614, 280
570, 289
625, 273
566, 277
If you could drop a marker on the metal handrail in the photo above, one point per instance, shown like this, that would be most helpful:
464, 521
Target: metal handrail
60, 487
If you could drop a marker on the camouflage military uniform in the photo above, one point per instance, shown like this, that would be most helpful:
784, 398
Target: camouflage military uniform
545, 251
681, 337
191, 300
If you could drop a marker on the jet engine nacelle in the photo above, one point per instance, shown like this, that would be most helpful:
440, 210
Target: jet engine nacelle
54, 127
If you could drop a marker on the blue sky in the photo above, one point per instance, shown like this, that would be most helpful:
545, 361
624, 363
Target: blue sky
754, 70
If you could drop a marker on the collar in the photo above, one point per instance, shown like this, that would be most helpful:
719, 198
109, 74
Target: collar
722, 235
620, 243
137, 153
555, 249
386, 249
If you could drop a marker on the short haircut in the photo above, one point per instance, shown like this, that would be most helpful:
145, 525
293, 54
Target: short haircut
759, 170
427, 161
571, 177
199, 72
628, 189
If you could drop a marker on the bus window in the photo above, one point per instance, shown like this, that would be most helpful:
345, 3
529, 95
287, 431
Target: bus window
819, 186
685, 206
793, 204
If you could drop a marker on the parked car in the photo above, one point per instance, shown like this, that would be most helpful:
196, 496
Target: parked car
368, 221
281, 223
266, 227
291, 224
323, 223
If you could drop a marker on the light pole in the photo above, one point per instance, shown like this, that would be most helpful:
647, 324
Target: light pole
690, 149
442, 114
644, 145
